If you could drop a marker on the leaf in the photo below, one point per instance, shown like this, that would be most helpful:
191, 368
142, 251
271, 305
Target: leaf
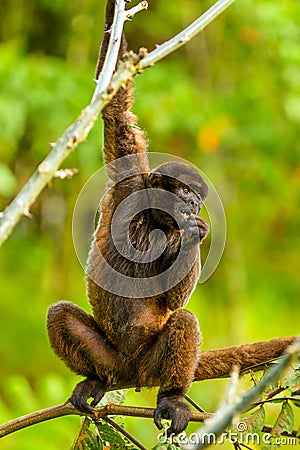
285, 420
253, 423
87, 439
117, 397
296, 401
112, 438
292, 381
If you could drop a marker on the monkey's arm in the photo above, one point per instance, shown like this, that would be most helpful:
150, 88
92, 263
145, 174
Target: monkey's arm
121, 135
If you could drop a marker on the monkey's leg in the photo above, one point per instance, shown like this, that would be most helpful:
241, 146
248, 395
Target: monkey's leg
77, 339
173, 360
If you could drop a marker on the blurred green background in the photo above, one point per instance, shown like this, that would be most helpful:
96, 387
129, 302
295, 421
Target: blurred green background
229, 102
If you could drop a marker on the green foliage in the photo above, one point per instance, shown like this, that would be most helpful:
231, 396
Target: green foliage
100, 436
285, 420
253, 424
228, 102
86, 438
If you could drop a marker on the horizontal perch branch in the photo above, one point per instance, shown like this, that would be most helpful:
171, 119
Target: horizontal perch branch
248, 357
68, 409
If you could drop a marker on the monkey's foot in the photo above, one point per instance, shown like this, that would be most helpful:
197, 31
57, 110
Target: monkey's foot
174, 409
83, 391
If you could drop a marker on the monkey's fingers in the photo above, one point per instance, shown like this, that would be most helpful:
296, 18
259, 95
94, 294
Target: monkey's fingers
98, 397
178, 424
81, 404
83, 391
175, 409
157, 418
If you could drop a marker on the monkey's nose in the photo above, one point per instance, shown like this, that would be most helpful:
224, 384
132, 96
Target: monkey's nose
194, 206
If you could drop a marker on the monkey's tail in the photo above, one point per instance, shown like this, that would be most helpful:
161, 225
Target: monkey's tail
219, 363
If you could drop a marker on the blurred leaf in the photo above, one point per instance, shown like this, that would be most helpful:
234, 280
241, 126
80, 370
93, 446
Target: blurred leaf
292, 379
254, 422
285, 420
87, 439
112, 438
117, 397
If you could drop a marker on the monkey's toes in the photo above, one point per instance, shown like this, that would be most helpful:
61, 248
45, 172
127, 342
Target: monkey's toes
175, 409
83, 391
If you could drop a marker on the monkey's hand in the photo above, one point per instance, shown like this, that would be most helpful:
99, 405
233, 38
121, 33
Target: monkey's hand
83, 391
195, 230
175, 409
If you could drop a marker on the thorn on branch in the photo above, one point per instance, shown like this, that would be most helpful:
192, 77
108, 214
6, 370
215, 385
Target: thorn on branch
143, 52
72, 141
27, 213
110, 89
65, 173
44, 167
139, 7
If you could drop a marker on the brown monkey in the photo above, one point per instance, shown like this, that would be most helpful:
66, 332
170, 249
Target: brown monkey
141, 336
140, 333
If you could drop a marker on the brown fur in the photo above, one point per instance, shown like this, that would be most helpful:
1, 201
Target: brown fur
148, 340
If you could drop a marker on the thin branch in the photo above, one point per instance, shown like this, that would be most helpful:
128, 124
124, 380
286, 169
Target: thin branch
135, 9
186, 35
193, 403
80, 129
74, 135
269, 428
100, 413
241, 444
111, 57
276, 391
225, 415
208, 359
36, 417
125, 433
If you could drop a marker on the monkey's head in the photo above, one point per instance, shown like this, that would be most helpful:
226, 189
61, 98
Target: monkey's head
182, 180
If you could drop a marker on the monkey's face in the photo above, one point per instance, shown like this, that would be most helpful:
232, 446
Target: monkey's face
182, 180
187, 192
191, 198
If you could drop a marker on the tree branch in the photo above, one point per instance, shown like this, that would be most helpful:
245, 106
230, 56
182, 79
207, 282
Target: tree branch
207, 359
67, 409
186, 35
80, 129
224, 416
125, 433
74, 135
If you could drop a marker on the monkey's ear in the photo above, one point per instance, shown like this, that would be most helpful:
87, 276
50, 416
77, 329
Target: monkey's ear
154, 180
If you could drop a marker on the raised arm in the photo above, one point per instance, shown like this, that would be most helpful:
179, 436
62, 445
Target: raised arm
121, 135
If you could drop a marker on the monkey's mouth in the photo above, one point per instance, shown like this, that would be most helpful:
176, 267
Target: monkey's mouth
186, 214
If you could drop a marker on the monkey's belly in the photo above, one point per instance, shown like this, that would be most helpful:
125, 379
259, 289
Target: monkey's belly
136, 334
